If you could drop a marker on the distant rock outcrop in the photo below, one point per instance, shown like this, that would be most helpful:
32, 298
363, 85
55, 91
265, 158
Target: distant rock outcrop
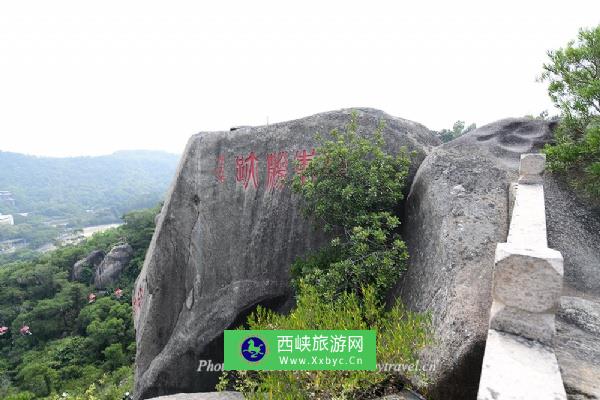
93, 260
455, 214
226, 237
110, 269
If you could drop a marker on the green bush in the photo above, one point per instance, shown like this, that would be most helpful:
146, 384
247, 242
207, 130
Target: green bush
573, 76
21, 396
352, 188
400, 334
38, 377
105, 387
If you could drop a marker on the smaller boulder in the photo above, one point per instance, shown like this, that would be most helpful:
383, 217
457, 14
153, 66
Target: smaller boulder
109, 271
93, 260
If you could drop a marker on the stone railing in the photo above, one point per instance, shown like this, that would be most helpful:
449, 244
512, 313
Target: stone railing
519, 362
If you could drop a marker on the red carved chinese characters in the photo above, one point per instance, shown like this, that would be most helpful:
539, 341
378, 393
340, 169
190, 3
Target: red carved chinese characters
137, 300
303, 159
220, 169
277, 169
245, 170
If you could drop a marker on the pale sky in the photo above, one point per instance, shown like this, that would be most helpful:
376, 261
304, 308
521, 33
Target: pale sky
87, 78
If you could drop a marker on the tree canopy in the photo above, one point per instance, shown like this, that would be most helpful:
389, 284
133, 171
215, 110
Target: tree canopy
573, 76
73, 343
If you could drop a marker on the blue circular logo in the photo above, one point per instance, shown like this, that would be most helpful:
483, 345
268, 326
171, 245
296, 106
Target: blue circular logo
253, 349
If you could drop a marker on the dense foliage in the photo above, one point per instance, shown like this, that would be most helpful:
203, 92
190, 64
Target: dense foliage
573, 76
85, 190
355, 193
351, 188
74, 344
400, 334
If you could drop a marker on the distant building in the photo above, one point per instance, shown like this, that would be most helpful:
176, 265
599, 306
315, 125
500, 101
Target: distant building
10, 246
6, 197
7, 220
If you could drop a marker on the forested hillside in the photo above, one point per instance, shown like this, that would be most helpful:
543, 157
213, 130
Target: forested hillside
53, 339
84, 190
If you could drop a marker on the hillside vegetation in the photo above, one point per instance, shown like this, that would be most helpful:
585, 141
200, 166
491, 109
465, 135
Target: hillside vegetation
105, 186
74, 346
50, 198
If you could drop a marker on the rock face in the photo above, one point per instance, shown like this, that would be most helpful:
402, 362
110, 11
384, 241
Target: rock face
225, 239
577, 347
456, 213
93, 260
574, 230
110, 269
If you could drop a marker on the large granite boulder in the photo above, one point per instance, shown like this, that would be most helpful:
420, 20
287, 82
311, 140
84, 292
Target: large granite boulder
456, 213
91, 261
225, 239
109, 271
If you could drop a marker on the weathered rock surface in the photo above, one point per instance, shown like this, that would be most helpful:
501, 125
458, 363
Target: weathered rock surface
574, 230
456, 213
93, 260
577, 346
110, 269
404, 395
222, 246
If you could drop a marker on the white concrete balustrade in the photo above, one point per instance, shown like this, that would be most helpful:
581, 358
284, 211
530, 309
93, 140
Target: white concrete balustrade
519, 362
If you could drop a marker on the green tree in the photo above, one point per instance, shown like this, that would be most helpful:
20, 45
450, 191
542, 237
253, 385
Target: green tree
54, 317
573, 76
38, 378
75, 346
115, 356
355, 193
458, 129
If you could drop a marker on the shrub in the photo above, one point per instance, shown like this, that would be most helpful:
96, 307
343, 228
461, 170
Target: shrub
400, 334
353, 187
